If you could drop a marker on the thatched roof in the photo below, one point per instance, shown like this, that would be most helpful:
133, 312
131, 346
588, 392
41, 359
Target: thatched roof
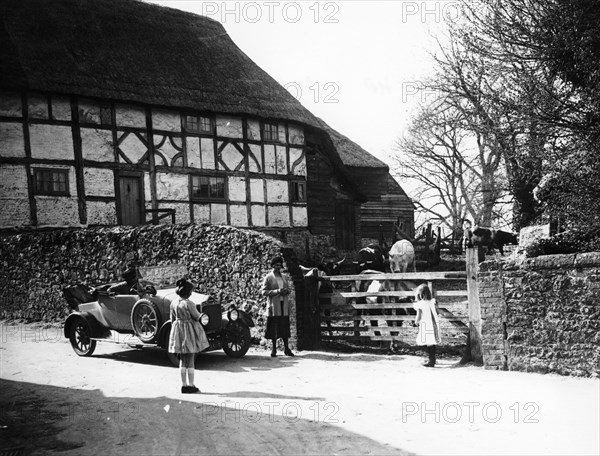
130, 50
133, 51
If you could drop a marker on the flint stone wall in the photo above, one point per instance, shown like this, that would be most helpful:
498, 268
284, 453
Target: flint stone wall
225, 262
542, 314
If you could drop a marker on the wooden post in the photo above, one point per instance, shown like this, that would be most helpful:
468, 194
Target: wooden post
311, 314
474, 350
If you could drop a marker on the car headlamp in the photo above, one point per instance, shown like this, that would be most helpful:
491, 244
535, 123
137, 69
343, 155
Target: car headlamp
204, 319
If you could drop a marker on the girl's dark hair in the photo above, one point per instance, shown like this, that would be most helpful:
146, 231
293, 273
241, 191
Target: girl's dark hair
423, 292
276, 259
184, 288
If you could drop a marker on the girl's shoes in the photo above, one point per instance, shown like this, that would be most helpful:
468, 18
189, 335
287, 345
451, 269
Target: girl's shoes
189, 389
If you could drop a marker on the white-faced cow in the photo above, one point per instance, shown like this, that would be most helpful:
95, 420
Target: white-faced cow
401, 255
492, 238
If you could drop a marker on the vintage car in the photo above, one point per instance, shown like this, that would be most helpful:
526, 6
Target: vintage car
145, 321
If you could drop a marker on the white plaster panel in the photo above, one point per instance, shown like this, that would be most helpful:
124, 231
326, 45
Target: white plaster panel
13, 182
51, 141
182, 212
296, 134
300, 168
130, 116
231, 157
253, 131
37, 106
258, 215
299, 216
279, 216
61, 108
270, 159
237, 189
229, 127
57, 211
12, 143
257, 191
218, 214
99, 182
163, 119
89, 112
101, 213
281, 160
133, 148
192, 146
207, 147
10, 104
255, 166
201, 213
172, 186
147, 192
72, 181
238, 214
15, 212
168, 150
97, 145
277, 191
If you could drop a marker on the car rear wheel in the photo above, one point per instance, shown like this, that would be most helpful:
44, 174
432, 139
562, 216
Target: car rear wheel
236, 339
145, 320
79, 335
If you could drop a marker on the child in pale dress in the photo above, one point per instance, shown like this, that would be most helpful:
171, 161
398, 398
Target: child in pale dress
187, 334
428, 322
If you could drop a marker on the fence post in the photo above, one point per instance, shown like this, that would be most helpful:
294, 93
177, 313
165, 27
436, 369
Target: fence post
473, 351
311, 314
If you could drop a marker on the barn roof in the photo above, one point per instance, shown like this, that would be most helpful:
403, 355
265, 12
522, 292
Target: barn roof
351, 153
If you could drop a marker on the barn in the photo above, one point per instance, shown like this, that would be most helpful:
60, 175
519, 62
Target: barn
118, 112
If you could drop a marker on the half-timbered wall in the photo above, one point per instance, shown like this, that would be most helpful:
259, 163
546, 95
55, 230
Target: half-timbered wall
102, 147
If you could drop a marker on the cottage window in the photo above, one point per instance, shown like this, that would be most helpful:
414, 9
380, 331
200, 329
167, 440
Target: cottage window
198, 124
106, 117
208, 187
270, 132
298, 191
50, 181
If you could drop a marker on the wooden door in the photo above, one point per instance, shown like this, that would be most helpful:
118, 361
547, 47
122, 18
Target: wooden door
131, 200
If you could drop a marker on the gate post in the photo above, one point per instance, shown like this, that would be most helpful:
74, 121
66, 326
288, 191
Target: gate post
473, 351
311, 314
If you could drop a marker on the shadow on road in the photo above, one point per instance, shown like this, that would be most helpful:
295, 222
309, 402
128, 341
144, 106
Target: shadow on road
40, 419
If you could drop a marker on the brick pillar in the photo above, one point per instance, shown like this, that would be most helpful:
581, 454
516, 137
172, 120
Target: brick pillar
493, 315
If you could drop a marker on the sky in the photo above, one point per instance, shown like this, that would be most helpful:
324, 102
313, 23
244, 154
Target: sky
356, 64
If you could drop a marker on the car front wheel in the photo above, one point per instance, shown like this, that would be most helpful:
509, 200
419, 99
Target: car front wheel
145, 320
236, 339
79, 335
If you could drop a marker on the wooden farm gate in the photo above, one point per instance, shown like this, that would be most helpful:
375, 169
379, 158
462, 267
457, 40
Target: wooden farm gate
345, 314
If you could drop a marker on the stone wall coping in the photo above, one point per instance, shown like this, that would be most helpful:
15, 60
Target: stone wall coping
557, 261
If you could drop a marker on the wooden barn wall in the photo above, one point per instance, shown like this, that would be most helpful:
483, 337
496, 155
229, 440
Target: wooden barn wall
388, 204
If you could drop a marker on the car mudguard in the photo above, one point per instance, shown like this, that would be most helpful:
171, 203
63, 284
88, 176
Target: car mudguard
98, 330
245, 318
163, 335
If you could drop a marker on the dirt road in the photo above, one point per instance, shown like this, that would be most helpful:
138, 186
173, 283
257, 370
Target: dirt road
125, 401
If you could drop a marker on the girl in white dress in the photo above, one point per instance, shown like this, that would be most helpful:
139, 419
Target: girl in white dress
428, 322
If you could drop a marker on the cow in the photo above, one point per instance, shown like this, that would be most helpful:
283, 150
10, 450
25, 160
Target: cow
371, 257
401, 255
492, 238
320, 272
